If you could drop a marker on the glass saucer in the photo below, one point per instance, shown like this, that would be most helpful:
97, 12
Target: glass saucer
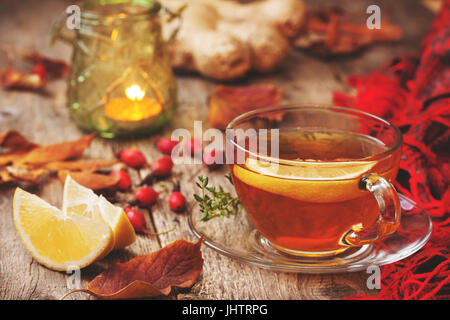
237, 238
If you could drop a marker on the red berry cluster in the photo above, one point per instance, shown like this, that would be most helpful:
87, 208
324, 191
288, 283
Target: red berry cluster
145, 196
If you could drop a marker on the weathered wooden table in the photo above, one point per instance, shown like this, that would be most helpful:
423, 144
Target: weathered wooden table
44, 119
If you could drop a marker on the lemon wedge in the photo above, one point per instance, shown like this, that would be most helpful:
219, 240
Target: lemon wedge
58, 241
82, 201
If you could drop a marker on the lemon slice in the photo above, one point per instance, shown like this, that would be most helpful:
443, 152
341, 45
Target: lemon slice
55, 240
80, 200
312, 170
311, 182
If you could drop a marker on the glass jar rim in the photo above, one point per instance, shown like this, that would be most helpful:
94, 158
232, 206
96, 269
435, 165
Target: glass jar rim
316, 107
88, 16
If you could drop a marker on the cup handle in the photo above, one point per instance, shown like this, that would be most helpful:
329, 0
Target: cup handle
389, 212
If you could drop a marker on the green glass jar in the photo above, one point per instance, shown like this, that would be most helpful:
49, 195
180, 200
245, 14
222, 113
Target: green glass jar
121, 82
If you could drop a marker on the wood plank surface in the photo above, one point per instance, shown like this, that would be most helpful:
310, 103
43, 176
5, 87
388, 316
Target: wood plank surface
44, 119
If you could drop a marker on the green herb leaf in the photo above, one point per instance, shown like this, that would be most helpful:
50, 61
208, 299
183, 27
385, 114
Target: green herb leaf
216, 203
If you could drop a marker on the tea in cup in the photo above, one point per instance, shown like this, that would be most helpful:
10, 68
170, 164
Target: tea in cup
327, 187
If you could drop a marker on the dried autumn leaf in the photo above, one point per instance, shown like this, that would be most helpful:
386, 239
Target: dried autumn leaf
22, 160
5, 177
90, 179
227, 102
57, 152
330, 32
80, 165
55, 67
24, 174
9, 158
11, 140
176, 265
13, 146
11, 78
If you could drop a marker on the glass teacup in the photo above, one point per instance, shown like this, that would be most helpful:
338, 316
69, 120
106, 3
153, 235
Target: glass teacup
320, 181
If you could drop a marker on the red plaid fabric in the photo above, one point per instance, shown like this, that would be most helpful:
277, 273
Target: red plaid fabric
413, 92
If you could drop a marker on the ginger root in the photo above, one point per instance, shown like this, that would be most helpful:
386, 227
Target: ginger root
224, 39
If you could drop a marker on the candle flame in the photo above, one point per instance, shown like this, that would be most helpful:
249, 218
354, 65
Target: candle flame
135, 93
135, 106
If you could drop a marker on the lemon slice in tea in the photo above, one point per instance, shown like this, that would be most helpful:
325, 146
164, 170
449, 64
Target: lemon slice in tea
309, 181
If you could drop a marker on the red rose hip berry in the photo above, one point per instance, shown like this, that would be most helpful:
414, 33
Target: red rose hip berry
165, 145
124, 179
137, 220
162, 167
132, 157
146, 196
39, 69
177, 201
213, 159
193, 147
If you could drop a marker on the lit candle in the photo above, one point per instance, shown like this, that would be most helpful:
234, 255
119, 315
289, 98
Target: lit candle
134, 107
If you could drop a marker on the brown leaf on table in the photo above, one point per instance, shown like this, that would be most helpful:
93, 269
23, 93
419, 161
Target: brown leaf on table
13, 146
329, 32
22, 160
80, 165
5, 177
227, 102
11, 140
57, 152
11, 78
90, 179
9, 158
23, 174
54, 67
176, 265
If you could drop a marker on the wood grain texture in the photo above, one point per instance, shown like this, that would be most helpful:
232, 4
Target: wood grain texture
44, 119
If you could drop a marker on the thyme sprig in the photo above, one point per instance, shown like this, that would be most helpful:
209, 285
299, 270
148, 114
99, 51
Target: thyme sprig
216, 202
